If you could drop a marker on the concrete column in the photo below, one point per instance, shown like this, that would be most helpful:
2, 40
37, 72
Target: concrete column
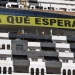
44, 71
58, 8
29, 71
34, 71
39, 71
71, 72
61, 72
7, 70
1, 70
66, 72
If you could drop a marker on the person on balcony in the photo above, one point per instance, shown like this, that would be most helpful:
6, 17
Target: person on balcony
43, 32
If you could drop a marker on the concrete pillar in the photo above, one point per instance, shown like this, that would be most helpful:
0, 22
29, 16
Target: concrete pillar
34, 71
61, 72
66, 72
71, 72
39, 71
29, 71
44, 71
7, 70
1, 70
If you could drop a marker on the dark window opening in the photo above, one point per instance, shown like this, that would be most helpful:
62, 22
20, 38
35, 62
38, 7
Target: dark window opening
42, 71
9, 70
3, 46
2, 58
48, 58
48, 49
12, 0
0, 70
20, 57
2, 5
32, 1
32, 71
8, 47
14, 6
45, 8
69, 72
52, 8
73, 72
37, 71
4, 70
34, 59
48, 7
19, 47
41, 7
64, 72
3, 0
37, 7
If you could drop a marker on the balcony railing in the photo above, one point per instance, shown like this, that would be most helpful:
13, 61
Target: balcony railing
21, 62
34, 53
30, 36
53, 64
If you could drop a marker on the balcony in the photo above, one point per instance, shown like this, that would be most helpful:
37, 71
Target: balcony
53, 64
5, 52
62, 46
30, 36
59, 38
3, 2
53, 74
34, 44
21, 62
20, 73
29, 74
52, 45
66, 55
3, 35
72, 46
70, 39
34, 53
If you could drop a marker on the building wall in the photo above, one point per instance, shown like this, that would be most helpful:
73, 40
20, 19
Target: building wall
5, 56
63, 48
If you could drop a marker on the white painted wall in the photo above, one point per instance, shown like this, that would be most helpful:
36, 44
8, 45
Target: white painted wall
37, 64
39, 60
62, 45
29, 74
4, 35
8, 62
45, 5
5, 41
64, 38
5, 52
20, 73
13, 3
53, 74
57, 1
34, 44
56, 4
68, 66
70, 61
37, 49
66, 54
